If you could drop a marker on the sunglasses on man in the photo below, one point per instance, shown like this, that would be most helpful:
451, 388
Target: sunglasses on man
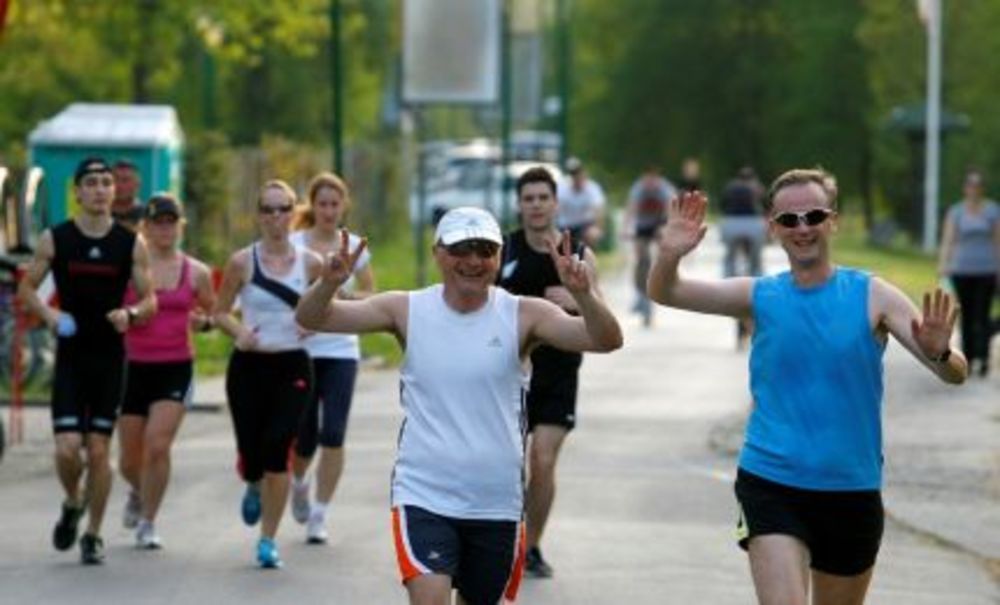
481, 248
812, 218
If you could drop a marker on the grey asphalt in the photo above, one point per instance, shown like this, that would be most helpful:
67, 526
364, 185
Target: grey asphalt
644, 513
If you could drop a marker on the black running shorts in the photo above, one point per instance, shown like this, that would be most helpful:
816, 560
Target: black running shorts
148, 383
484, 558
86, 390
552, 399
841, 529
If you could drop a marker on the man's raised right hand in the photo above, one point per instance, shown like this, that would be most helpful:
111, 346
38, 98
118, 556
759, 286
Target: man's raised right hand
685, 226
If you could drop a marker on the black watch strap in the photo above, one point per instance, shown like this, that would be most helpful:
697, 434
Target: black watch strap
943, 357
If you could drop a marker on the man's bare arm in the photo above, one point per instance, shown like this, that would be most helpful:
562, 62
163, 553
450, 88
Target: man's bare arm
38, 268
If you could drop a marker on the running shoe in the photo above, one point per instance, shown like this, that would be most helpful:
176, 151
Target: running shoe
133, 510
316, 529
535, 566
146, 538
251, 505
300, 501
91, 550
267, 554
64, 534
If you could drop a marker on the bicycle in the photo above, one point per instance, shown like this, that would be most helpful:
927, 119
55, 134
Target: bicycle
37, 344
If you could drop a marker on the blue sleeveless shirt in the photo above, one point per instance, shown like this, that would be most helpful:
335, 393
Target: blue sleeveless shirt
816, 380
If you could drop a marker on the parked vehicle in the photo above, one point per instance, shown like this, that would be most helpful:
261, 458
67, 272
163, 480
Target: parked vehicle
472, 176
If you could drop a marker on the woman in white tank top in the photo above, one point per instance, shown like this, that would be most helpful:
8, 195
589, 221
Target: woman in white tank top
335, 358
269, 378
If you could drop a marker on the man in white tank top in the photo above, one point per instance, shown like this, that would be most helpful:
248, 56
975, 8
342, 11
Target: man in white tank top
458, 478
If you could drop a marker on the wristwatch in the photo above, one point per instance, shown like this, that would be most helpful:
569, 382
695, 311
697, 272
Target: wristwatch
133, 314
943, 357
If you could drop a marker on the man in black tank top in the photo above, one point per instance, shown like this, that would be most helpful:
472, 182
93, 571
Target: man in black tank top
528, 270
92, 260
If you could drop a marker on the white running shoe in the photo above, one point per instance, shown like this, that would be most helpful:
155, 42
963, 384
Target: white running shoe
316, 529
133, 510
300, 501
146, 538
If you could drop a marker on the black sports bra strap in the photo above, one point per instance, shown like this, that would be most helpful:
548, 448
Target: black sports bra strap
272, 286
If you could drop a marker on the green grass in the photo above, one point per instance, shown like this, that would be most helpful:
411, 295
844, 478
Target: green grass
394, 262
212, 351
902, 264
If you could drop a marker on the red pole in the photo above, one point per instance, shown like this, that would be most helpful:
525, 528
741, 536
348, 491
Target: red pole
17, 368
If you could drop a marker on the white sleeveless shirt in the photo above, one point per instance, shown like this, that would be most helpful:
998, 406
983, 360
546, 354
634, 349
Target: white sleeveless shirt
269, 317
461, 446
333, 345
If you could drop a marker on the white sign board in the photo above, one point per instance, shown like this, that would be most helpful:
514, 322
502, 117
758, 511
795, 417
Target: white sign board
451, 51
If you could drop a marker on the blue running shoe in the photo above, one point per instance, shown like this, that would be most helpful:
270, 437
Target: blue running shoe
267, 554
251, 505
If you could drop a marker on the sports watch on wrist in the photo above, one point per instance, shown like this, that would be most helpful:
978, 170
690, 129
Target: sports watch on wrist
943, 357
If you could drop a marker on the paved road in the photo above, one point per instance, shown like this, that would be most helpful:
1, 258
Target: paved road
644, 514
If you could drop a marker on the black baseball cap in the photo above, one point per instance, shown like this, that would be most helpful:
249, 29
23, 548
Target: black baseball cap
163, 204
90, 165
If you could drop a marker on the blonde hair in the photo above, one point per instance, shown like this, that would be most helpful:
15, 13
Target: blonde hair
803, 176
280, 185
304, 217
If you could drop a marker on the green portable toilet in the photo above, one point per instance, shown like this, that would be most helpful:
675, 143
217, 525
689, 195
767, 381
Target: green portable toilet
149, 136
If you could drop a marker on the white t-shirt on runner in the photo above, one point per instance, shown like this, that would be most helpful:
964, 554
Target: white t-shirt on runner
579, 207
268, 316
461, 446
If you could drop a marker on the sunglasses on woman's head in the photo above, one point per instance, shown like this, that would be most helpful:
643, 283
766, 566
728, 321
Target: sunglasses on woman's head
274, 209
791, 220
479, 247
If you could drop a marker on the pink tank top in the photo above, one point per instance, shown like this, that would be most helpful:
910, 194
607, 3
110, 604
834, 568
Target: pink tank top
167, 336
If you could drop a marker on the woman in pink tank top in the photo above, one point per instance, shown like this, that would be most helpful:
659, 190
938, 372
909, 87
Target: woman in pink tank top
160, 373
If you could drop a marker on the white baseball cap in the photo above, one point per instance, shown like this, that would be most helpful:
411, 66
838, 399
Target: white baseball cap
465, 223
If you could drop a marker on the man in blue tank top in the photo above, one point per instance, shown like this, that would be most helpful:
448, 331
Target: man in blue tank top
810, 471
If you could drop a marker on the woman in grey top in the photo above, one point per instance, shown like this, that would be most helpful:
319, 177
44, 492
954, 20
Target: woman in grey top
970, 257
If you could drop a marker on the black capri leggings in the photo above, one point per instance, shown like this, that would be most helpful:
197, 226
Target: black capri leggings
267, 393
325, 418
975, 295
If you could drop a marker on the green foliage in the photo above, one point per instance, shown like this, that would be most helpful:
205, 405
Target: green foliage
772, 83
902, 264
206, 195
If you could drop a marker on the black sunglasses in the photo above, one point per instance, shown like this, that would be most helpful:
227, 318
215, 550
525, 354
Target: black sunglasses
479, 247
791, 220
274, 209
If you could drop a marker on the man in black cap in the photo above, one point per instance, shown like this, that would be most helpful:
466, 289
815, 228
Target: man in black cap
92, 259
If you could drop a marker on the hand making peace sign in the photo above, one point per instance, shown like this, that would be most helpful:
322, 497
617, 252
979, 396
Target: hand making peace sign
573, 270
339, 265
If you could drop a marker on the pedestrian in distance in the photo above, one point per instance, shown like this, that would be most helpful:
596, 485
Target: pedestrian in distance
160, 354
126, 208
810, 471
645, 214
457, 488
581, 204
92, 259
970, 259
269, 377
528, 270
744, 233
335, 359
